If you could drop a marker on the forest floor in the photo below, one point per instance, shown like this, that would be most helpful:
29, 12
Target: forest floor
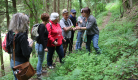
105, 22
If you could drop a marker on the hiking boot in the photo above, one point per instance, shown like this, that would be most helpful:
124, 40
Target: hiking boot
39, 76
51, 67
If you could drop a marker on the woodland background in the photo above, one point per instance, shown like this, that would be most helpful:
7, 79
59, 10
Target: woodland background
118, 24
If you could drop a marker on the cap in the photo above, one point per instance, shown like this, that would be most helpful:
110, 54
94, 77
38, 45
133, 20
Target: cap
54, 16
73, 11
64, 11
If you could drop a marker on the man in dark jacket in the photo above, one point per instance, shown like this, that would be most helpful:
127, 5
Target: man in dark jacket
73, 19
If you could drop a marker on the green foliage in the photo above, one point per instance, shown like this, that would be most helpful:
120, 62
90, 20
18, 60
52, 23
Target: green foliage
8, 76
118, 60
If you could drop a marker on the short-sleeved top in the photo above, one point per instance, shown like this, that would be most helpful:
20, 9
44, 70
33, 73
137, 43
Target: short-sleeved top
66, 23
91, 25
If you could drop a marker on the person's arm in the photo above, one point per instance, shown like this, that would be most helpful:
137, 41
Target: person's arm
42, 38
49, 35
26, 49
79, 20
66, 29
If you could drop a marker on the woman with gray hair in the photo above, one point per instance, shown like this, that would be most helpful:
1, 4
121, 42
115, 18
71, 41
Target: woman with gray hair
18, 26
54, 39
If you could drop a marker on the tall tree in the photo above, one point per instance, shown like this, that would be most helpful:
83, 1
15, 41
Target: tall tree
131, 3
70, 5
14, 6
32, 9
59, 8
80, 4
1, 55
54, 5
7, 13
63, 4
47, 5
67, 4
95, 7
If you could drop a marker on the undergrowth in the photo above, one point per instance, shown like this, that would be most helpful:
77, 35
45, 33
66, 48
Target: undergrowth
118, 60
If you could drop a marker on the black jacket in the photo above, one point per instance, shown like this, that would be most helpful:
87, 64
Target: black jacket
43, 35
22, 48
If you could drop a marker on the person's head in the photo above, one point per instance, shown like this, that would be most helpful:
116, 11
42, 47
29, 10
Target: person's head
73, 12
19, 23
65, 14
45, 17
86, 11
54, 17
82, 12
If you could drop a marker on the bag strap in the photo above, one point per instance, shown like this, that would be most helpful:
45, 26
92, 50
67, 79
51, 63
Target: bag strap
50, 25
14, 49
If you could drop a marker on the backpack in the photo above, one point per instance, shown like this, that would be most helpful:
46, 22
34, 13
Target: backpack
4, 44
34, 32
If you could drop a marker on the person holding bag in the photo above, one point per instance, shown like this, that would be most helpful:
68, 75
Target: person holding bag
17, 42
92, 31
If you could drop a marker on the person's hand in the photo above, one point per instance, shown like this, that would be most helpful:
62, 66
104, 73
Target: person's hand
71, 28
74, 29
30, 42
46, 50
55, 42
81, 21
64, 40
77, 27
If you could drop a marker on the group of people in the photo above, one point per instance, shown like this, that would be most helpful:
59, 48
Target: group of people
54, 35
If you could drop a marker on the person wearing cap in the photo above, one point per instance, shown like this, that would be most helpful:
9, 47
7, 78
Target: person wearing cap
66, 26
54, 39
80, 32
73, 20
92, 30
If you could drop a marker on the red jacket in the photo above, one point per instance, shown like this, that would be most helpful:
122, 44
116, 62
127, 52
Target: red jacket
54, 33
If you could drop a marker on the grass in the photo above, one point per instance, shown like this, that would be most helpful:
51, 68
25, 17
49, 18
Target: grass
118, 60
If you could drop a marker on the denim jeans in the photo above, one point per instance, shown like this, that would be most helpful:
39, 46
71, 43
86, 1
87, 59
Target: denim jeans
12, 65
41, 56
94, 38
60, 52
79, 40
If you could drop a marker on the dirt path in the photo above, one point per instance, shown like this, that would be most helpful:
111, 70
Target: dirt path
105, 21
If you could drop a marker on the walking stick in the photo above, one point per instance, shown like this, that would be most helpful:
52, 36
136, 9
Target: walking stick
55, 49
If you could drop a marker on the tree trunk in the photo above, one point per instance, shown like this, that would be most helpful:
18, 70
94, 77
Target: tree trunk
59, 8
47, 6
7, 13
80, 4
67, 4
70, 6
131, 3
54, 5
95, 8
1, 55
14, 5
63, 4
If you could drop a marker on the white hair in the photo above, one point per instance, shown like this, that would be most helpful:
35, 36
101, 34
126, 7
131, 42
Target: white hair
19, 22
54, 16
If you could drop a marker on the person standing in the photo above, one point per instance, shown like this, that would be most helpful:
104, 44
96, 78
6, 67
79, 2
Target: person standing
80, 32
66, 26
54, 39
92, 30
17, 33
73, 20
41, 44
